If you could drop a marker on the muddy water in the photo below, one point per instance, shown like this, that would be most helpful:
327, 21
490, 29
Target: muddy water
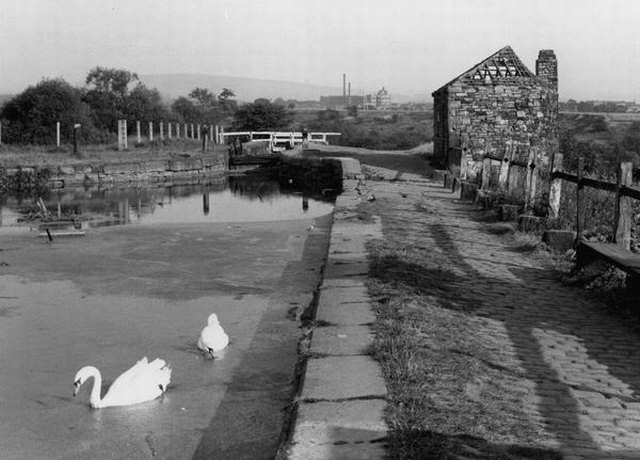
123, 292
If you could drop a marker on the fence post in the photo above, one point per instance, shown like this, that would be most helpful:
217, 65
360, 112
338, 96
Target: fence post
161, 131
555, 186
486, 173
138, 133
169, 132
503, 178
150, 131
192, 131
579, 200
0, 133
222, 135
623, 218
186, 132
211, 138
58, 134
122, 134
529, 184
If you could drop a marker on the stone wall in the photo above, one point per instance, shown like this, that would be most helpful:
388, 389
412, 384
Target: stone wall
173, 170
484, 117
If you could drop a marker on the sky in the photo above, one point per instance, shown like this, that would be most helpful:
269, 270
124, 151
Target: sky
409, 46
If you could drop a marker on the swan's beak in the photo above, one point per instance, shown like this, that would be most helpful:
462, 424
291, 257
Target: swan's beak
211, 353
76, 387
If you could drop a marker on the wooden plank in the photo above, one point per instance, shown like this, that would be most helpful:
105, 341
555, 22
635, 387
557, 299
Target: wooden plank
70, 233
614, 254
633, 192
565, 176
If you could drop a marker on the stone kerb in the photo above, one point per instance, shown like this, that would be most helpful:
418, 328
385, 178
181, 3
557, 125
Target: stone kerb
342, 400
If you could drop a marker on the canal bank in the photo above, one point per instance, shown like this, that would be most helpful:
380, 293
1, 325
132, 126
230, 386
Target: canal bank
340, 398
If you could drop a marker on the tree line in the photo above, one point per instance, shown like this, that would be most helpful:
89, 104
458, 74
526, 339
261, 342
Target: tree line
112, 94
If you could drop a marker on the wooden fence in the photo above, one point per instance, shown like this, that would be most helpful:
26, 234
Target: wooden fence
530, 183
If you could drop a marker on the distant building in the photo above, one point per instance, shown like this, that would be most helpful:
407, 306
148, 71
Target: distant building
340, 102
383, 99
496, 104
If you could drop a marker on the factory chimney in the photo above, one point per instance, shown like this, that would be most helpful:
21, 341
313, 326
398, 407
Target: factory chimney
344, 85
349, 95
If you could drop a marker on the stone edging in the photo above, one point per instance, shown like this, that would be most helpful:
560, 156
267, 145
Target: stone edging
341, 405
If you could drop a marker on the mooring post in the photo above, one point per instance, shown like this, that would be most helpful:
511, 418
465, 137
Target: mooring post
623, 212
58, 134
579, 200
205, 138
76, 129
555, 186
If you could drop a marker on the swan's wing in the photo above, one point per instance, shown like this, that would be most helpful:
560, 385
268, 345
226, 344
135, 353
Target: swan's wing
214, 337
142, 382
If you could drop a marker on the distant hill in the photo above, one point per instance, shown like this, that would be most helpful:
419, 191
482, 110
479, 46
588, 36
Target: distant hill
246, 89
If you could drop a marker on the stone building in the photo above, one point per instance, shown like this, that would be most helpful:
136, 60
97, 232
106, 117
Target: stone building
497, 108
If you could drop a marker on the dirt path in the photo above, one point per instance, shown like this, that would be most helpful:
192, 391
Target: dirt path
486, 353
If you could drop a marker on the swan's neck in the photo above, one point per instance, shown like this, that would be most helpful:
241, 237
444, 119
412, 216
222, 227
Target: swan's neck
95, 399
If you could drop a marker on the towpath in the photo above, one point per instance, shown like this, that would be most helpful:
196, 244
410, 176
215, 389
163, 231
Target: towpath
550, 359
519, 364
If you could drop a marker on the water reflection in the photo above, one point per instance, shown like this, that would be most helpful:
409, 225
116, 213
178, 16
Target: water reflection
233, 199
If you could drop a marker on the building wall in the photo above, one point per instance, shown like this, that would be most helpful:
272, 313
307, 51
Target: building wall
483, 118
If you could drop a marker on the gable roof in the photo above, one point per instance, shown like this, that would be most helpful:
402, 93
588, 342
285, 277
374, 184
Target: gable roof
504, 63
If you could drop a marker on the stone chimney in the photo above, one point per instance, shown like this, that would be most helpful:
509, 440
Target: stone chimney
547, 67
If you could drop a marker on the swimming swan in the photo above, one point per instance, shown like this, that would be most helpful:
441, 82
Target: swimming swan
213, 338
143, 382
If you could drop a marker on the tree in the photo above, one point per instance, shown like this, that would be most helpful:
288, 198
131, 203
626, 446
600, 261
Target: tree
184, 109
143, 103
32, 115
114, 81
262, 115
108, 95
225, 99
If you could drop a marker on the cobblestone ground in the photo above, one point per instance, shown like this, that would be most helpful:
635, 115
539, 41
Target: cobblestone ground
573, 369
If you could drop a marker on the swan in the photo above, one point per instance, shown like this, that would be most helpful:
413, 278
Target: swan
213, 338
143, 382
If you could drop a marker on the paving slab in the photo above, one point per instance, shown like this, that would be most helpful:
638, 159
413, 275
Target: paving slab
344, 282
334, 270
351, 294
343, 377
344, 430
345, 314
341, 340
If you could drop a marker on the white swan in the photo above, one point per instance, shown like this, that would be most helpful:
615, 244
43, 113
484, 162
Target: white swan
143, 382
213, 338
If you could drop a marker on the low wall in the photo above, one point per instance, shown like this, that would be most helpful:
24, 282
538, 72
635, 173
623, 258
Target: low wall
172, 170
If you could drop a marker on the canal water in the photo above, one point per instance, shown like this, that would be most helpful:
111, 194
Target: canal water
152, 265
